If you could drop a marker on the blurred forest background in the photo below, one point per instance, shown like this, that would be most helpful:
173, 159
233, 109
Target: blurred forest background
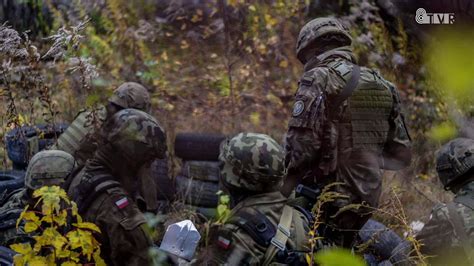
229, 66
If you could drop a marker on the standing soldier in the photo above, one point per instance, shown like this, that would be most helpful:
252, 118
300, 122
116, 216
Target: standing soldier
261, 228
106, 191
449, 235
345, 127
46, 168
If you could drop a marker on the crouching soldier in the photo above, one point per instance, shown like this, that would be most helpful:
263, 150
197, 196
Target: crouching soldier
83, 135
105, 193
46, 168
449, 235
261, 229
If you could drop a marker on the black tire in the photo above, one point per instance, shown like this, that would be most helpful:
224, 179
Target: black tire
201, 170
387, 245
17, 141
209, 213
11, 180
197, 192
6, 256
199, 147
166, 187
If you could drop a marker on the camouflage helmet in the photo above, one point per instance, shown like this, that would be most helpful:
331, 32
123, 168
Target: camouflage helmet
252, 162
48, 168
131, 95
136, 135
454, 160
317, 28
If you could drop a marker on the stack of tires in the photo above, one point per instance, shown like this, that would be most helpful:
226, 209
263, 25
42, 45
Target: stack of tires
198, 182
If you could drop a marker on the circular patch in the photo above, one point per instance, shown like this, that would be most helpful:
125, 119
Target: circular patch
298, 108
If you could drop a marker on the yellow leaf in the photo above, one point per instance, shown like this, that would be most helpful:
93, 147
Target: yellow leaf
255, 118
308, 259
38, 260
75, 212
30, 227
19, 259
283, 64
21, 216
22, 248
98, 260
60, 219
30, 216
86, 225
69, 263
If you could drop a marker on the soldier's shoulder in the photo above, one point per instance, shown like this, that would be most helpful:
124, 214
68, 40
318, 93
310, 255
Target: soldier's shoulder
315, 76
120, 206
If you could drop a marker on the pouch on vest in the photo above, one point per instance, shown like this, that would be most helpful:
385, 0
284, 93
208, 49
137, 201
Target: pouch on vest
254, 223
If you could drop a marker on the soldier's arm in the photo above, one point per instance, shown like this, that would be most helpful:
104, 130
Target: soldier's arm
303, 140
122, 222
232, 246
397, 151
437, 232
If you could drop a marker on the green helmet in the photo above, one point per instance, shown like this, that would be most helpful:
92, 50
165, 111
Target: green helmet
131, 95
136, 135
317, 28
48, 168
252, 162
454, 160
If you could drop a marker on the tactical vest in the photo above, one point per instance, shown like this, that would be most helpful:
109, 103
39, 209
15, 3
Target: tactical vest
75, 135
266, 234
366, 113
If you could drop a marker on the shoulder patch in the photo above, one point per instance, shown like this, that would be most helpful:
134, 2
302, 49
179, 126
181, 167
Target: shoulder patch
122, 203
298, 108
223, 242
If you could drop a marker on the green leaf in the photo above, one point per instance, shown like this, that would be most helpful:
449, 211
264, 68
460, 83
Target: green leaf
443, 132
338, 257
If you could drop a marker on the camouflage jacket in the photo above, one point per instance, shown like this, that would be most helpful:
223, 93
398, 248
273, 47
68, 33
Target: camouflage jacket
123, 239
9, 213
440, 236
331, 141
235, 243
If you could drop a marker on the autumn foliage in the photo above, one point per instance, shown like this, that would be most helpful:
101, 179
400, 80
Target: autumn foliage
60, 236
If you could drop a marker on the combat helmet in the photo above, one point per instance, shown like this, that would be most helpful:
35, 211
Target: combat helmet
131, 95
454, 160
136, 135
48, 168
317, 28
252, 162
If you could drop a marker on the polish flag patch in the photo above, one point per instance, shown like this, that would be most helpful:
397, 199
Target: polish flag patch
223, 242
122, 203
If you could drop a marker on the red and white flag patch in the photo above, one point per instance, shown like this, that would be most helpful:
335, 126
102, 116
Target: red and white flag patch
223, 242
122, 203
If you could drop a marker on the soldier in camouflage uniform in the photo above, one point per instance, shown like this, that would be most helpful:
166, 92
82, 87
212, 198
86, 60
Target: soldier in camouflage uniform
449, 234
261, 227
46, 168
346, 127
80, 138
105, 193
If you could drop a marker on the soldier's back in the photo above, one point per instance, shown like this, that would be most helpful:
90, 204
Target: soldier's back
9, 213
449, 234
247, 235
108, 205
